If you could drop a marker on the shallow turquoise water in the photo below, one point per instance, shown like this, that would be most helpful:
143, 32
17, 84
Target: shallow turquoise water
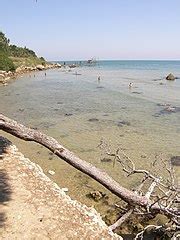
79, 111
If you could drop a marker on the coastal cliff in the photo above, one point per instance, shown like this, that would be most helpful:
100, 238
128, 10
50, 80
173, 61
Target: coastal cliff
34, 207
16, 60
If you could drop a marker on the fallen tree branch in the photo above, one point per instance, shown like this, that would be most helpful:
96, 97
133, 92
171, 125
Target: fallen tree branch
28, 134
133, 198
121, 220
159, 185
151, 189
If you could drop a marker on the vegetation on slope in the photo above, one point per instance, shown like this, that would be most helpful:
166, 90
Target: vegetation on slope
12, 56
6, 64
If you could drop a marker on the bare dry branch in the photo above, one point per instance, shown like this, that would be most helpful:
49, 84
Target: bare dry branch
121, 220
151, 188
140, 234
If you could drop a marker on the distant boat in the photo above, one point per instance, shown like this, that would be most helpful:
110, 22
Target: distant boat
91, 62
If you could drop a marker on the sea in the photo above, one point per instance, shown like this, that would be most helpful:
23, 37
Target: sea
132, 107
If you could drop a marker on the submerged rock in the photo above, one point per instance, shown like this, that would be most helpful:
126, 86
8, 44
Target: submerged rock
45, 125
21, 110
157, 79
170, 77
77, 74
167, 110
93, 120
122, 123
163, 104
106, 160
170, 109
97, 195
51, 172
175, 160
100, 87
137, 92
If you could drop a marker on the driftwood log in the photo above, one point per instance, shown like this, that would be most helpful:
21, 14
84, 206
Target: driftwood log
132, 198
29, 134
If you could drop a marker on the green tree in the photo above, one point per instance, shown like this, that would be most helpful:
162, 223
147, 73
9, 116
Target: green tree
15, 51
4, 42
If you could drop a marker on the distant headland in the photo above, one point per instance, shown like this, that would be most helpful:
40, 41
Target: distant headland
16, 60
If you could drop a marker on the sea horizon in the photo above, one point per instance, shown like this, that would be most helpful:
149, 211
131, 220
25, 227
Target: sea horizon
98, 59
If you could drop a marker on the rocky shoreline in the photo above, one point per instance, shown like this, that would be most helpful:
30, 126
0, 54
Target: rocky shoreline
34, 207
6, 76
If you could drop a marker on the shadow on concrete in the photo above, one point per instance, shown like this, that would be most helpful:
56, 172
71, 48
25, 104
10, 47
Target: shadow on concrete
5, 189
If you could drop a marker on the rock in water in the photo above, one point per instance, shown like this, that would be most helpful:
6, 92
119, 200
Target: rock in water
106, 160
51, 172
122, 123
170, 77
97, 195
93, 120
175, 160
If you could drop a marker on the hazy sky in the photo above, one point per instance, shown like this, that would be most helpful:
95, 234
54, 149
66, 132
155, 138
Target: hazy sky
107, 29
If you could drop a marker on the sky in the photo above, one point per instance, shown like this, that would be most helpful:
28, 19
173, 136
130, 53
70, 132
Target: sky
105, 29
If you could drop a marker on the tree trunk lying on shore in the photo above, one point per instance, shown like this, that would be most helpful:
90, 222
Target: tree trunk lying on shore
133, 198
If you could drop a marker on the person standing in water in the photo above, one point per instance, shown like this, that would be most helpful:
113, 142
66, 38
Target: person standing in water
99, 79
130, 85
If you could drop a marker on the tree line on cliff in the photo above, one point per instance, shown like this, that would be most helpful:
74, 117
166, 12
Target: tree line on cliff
8, 52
